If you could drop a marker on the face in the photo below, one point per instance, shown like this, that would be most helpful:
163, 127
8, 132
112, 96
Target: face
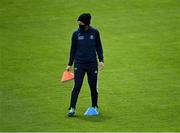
80, 23
82, 26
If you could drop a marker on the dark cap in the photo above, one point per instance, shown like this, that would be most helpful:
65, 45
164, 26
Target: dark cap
85, 18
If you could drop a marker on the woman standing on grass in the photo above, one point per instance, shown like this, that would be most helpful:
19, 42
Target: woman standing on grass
85, 46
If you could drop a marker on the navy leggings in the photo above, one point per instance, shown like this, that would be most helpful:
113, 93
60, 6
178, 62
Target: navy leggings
92, 73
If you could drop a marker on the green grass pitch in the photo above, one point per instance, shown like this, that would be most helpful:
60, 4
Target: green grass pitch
139, 89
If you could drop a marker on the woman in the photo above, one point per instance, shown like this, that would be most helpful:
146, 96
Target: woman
85, 46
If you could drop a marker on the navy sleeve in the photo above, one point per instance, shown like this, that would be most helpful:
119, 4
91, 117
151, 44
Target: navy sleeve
99, 48
72, 49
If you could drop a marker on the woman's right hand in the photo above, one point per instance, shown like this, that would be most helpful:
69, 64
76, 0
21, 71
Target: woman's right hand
69, 68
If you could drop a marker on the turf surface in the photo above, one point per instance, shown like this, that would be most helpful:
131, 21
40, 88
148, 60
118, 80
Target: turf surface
139, 90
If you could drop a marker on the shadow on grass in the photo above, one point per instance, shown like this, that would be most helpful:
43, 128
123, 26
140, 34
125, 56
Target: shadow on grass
99, 118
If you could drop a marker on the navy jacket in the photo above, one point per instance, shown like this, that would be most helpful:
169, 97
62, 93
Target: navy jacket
84, 46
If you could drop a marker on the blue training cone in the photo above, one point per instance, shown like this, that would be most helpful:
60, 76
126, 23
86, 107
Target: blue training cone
91, 111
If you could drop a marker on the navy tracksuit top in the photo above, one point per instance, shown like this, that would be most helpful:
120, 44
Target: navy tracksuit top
85, 45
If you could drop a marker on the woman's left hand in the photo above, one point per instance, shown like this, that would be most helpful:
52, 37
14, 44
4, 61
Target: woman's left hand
101, 65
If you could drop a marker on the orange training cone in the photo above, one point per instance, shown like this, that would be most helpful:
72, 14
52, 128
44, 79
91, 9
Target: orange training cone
67, 76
